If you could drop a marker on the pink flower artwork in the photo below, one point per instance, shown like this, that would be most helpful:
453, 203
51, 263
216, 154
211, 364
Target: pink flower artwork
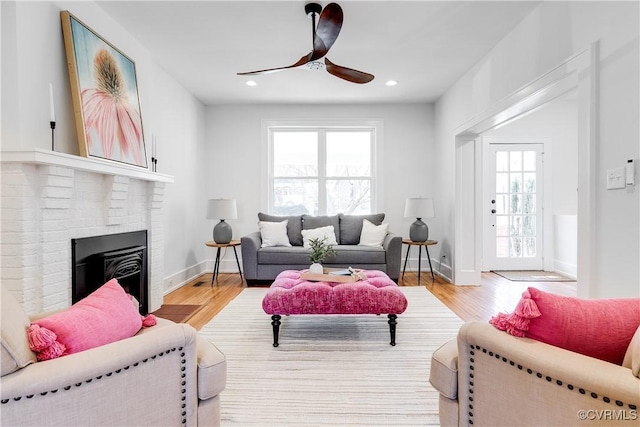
109, 117
104, 90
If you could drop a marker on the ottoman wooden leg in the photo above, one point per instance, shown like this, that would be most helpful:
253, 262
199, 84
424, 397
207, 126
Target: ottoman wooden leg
392, 328
275, 321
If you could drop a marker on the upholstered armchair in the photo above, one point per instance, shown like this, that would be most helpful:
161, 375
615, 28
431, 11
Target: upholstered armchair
163, 376
489, 378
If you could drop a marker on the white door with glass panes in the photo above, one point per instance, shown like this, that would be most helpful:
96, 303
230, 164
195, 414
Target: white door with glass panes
512, 207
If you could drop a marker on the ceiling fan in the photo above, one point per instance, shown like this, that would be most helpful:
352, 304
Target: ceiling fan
324, 35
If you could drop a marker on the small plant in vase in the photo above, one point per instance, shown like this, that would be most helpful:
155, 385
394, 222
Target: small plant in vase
319, 251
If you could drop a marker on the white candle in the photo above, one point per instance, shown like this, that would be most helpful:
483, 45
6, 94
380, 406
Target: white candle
52, 110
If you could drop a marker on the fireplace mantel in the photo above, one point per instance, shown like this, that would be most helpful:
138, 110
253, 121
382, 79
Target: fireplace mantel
95, 165
50, 198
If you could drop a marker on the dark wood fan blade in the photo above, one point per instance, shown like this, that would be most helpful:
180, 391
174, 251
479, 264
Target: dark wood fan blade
300, 62
329, 26
348, 74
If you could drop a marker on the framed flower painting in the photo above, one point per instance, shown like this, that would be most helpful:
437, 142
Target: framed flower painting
105, 96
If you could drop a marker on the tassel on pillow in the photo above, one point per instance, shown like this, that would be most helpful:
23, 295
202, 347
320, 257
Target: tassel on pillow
527, 307
40, 338
517, 323
148, 320
44, 342
500, 321
54, 351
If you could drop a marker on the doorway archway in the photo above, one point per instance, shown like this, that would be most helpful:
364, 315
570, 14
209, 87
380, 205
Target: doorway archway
576, 73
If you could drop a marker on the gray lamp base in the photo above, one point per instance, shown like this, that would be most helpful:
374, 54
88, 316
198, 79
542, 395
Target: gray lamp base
222, 232
419, 232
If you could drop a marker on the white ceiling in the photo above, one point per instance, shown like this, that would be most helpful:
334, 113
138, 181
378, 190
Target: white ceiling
424, 45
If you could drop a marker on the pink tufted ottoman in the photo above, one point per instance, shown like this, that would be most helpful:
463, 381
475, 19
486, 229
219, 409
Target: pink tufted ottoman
378, 294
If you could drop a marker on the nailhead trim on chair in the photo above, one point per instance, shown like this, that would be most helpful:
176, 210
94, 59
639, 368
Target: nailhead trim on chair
530, 372
183, 362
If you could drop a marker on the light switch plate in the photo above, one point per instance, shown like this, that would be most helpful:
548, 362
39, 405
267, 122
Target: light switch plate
631, 173
616, 178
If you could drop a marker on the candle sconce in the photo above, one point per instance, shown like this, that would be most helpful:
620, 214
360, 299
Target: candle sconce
52, 118
53, 135
154, 157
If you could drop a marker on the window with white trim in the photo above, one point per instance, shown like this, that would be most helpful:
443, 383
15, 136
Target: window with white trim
321, 170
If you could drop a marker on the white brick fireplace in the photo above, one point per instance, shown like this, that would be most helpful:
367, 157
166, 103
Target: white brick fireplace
49, 198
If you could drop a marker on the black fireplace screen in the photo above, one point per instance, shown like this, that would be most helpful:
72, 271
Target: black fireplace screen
99, 259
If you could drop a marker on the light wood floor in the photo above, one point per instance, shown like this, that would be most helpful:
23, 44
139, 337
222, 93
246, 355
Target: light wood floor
468, 302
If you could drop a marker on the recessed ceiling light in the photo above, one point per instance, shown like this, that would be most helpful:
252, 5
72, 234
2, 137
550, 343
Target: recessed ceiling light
391, 83
251, 83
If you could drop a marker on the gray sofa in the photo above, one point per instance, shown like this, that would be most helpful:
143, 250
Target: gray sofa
264, 264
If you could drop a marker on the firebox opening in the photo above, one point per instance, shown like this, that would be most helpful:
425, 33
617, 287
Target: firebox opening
98, 259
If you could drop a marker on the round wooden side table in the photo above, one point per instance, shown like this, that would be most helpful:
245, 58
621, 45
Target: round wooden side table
216, 267
420, 245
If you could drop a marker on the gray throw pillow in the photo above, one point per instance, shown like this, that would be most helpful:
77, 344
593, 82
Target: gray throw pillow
294, 226
351, 227
310, 222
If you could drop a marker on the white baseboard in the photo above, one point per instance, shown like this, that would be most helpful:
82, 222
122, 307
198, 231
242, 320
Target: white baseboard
226, 265
568, 269
182, 277
439, 269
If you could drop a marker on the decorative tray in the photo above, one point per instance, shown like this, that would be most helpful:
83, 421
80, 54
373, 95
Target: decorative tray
328, 277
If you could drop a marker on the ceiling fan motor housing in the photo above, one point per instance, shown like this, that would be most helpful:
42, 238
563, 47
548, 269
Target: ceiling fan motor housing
314, 65
312, 8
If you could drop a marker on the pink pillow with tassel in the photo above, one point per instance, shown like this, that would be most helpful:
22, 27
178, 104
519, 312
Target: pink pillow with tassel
600, 328
106, 315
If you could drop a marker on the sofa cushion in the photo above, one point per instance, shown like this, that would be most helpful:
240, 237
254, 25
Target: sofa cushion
279, 255
632, 356
357, 255
444, 369
600, 328
372, 235
294, 226
15, 351
326, 234
351, 226
345, 255
309, 222
105, 316
274, 233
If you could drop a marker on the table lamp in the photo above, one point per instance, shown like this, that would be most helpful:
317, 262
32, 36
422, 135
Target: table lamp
222, 209
418, 207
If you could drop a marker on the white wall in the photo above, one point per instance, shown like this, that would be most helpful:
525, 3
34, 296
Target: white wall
550, 34
33, 56
236, 169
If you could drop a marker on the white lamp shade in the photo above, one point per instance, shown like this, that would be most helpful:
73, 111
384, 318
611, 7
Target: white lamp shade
418, 207
222, 209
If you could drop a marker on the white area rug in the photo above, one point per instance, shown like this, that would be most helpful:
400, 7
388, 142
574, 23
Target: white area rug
330, 370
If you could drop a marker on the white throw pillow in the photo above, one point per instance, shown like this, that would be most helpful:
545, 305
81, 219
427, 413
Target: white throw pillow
372, 235
274, 233
319, 233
